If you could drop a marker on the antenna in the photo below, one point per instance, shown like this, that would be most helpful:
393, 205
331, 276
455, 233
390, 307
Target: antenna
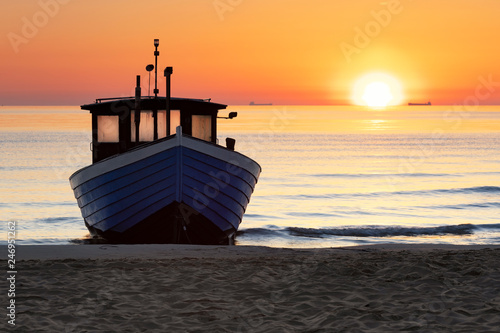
149, 68
157, 53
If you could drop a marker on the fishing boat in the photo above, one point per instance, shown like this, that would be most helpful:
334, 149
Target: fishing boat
158, 174
260, 104
416, 104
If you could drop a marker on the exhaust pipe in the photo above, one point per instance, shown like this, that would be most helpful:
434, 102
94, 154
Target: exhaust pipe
137, 117
168, 72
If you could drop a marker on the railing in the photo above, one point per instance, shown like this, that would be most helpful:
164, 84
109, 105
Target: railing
100, 100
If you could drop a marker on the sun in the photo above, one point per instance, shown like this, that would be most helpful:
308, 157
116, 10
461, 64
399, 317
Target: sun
377, 94
377, 90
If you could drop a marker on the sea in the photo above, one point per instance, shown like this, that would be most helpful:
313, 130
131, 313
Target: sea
332, 176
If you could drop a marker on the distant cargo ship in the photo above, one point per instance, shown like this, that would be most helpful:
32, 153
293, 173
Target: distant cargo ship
428, 103
253, 103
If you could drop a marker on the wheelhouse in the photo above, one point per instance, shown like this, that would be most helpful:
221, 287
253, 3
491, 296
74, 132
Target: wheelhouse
121, 124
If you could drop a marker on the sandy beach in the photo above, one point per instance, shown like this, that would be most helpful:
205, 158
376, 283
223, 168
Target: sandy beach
177, 288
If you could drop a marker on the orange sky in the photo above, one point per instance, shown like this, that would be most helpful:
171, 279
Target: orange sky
69, 52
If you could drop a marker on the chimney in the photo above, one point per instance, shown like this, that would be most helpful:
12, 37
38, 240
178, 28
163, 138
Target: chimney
168, 72
137, 118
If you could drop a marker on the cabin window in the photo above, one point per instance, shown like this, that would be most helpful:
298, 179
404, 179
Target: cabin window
146, 126
107, 129
162, 124
202, 127
175, 120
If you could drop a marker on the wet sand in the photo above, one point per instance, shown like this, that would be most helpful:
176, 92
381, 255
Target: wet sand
177, 288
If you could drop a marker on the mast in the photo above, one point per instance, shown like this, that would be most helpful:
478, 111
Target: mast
155, 112
157, 53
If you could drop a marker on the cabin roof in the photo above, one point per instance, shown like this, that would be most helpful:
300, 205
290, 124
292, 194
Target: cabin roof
118, 104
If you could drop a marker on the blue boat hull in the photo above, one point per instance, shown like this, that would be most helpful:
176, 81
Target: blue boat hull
175, 190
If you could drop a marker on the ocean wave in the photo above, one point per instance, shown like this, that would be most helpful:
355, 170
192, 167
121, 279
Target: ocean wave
258, 216
401, 175
379, 175
309, 215
462, 190
60, 220
416, 193
481, 189
383, 231
489, 226
465, 206
368, 231
258, 232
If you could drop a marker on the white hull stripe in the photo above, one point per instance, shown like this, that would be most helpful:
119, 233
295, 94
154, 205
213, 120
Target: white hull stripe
135, 155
